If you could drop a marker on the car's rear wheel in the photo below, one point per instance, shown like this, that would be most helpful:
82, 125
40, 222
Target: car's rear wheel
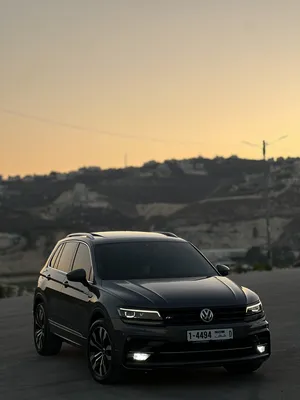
101, 355
243, 368
46, 343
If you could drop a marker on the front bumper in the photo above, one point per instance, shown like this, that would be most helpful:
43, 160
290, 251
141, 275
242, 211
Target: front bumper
169, 347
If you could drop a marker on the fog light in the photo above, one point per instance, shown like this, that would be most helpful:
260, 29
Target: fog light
140, 356
261, 348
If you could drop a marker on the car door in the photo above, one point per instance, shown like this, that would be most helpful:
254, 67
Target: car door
77, 297
53, 284
63, 266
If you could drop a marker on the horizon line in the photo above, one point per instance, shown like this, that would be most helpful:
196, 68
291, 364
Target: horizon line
234, 156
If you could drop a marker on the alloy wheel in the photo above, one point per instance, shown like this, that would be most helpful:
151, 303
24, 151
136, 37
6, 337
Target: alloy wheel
39, 326
100, 352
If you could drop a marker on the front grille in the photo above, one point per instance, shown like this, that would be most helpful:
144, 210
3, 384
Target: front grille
187, 347
203, 356
192, 316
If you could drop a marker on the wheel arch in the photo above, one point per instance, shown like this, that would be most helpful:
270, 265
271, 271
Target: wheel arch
98, 313
39, 298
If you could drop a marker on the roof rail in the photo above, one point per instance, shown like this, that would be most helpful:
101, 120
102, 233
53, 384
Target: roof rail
170, 234
85, 234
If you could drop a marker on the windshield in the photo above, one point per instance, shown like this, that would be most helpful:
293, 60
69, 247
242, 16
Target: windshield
151, 260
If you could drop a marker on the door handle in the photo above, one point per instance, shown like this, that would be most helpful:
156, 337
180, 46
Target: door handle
66, 284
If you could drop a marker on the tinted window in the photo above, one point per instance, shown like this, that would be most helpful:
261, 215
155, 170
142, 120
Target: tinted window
151, 260
55, 258
83, 259
66, 258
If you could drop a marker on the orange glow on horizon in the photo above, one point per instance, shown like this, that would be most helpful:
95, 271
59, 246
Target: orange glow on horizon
201, 73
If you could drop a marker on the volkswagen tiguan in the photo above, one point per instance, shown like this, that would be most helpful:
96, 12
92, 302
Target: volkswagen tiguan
146, 300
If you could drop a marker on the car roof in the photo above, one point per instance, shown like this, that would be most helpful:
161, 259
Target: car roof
123, 236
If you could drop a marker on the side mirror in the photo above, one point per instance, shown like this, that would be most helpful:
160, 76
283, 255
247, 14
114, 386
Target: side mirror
78, 275
223, 269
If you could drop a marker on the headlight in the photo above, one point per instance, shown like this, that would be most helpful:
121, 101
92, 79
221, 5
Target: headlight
140, 315
254, 308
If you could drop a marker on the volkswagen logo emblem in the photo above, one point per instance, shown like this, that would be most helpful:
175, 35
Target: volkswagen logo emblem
206, 315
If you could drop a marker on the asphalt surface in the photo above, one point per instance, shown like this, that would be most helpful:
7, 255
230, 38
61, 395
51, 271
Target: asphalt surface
25, 375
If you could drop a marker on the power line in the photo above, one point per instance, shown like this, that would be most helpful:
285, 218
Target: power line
49, 121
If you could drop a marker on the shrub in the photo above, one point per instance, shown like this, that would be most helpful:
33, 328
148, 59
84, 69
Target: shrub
261, 267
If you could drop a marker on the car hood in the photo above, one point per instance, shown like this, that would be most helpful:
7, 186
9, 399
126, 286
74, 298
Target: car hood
178, 293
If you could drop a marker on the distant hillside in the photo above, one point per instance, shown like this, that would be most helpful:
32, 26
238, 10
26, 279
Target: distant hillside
216, 203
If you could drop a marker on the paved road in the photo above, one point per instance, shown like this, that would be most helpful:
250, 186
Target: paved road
24, 375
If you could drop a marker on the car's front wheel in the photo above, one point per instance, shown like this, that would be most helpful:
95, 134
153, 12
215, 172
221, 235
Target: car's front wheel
101, 356
243, 368
46, 343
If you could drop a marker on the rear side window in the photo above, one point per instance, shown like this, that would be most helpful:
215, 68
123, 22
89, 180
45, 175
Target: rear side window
67, 256
83, 260
55, 258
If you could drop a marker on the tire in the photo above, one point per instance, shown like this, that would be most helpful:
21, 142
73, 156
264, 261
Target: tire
101, 356
46, 343
243, 368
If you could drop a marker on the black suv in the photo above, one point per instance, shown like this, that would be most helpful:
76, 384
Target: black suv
145, 300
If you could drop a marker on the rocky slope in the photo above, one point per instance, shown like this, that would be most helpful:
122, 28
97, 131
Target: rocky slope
217, 204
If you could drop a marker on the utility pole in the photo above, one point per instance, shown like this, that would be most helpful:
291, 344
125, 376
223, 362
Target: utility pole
267, 186
267, 196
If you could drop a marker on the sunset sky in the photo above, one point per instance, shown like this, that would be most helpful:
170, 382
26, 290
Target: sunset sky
82, 82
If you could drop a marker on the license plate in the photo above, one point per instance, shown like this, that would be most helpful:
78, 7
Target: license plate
209, 334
